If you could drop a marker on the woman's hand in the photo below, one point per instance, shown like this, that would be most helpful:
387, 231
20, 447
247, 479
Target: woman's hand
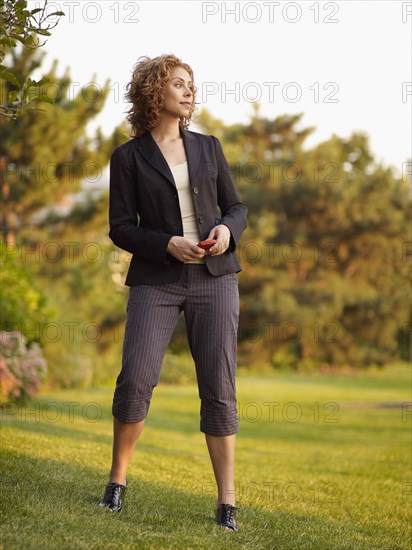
222, 235
184, 249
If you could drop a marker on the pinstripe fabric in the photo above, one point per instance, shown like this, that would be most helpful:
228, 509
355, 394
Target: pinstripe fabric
211, 309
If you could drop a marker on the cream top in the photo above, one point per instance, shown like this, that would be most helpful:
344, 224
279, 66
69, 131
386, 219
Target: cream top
190, 230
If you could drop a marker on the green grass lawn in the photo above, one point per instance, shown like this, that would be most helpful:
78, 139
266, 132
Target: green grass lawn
322, 462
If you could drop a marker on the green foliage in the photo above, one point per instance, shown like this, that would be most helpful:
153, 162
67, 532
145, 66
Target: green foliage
19, 25
178, 369
325, 274
23, 304
44, 158
46, 155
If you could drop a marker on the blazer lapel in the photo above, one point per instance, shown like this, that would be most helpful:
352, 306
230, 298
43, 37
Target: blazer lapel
192, 147
152, 153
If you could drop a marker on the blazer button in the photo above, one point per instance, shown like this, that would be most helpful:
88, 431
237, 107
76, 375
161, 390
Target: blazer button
173, 196
195, 190
201, 219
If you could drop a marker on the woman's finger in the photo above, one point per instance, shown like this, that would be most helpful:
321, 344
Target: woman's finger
218, 248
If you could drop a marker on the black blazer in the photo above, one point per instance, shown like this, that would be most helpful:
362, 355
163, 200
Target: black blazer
144, 211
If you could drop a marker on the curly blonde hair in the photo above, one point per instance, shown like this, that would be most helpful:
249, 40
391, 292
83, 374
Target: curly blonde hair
146, 91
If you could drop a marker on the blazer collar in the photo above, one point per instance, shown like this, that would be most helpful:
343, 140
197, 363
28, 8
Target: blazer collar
152, 153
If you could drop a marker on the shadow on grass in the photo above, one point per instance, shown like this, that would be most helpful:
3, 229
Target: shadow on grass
54, 504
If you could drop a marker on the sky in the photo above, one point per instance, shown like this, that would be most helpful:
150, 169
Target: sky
345, 65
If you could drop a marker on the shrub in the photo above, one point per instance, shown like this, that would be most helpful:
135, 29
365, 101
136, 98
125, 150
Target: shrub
22, 368
178, 369
23, 304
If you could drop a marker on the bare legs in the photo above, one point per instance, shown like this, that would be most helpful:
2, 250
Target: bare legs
222, 454
221, 451
125, 436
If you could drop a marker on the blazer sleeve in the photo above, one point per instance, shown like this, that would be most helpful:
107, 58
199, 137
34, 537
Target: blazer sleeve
234, 211
123, 209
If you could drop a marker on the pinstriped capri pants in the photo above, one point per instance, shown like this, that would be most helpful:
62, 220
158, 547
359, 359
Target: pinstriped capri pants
211, 309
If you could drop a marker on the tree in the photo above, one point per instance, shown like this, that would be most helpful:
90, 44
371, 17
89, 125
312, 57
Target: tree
45, 155
21, 25
325, 278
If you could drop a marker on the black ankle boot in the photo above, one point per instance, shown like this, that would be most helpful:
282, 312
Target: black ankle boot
113, 497
225, 516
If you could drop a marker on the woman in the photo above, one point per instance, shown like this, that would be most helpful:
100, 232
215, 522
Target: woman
173, 180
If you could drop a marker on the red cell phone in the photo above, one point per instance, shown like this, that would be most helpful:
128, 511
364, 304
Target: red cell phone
206, 244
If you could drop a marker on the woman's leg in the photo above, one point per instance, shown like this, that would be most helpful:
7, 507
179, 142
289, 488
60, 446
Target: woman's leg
125, 437
212, 315
222, 454
152, 313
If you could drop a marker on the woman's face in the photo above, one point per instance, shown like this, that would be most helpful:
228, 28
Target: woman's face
178, 95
